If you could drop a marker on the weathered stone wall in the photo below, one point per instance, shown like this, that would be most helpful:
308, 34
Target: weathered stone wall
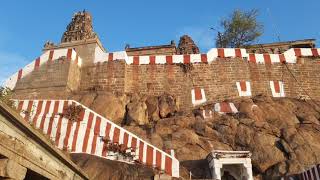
218, 79
109, 76
51, 80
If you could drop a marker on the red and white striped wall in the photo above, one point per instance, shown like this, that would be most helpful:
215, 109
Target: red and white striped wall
168, 59
198, 96
289, 56
277, 88
267, 58
101, 56
46, 57
86, 134
225, 107
311, 174
244, 88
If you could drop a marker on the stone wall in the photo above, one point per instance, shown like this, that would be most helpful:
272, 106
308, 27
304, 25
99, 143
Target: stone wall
218, 79
107, 76
53, 79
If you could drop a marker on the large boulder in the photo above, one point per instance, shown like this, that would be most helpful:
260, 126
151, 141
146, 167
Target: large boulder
167, 105
137, 113
109, 106
153, 108
87, 99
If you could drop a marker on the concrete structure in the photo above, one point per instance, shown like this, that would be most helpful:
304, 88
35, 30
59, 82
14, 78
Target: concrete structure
236, 164
27, 153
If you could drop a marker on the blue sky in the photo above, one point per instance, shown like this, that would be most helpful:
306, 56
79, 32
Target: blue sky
26, 25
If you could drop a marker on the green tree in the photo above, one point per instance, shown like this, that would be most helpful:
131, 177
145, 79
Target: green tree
6, 95
241, 28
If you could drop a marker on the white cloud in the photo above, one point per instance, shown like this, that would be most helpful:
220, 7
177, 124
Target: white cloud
9, 64
202, 36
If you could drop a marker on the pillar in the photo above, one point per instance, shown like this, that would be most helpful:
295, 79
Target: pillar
248, 169
216, 174
9, 169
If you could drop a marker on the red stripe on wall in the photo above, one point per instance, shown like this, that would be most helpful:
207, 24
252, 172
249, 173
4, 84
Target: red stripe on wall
314, 173
136, 60
69, 54
107, 137
149, 156
238, 52
204, 58
225, 107
267, 59
88, 129
243, 85
141, 144
308, 174
186, 59
27, 116
276, 85
158, 159
95, 134
169, 60
152, 59
282, 58
315, 52
66, 138
125, 139
58, 133
197, 94
55, 111
46, 110
134, 143
116, 134
20, 74
297, 52
76, 60
50, 55
76, 132
168, 165
37, 63
20, 104
35, 118
110, 57
252, 58
221, 53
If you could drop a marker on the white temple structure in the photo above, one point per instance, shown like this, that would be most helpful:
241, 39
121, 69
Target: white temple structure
230, 165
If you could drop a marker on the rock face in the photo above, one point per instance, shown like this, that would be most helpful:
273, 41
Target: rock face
106, 104
167, 105
187, 46
137, 113
103, 169
282, 134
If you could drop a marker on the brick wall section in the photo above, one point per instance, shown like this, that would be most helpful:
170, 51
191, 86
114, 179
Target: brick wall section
107, 76
157, 79
51, 80
218, 79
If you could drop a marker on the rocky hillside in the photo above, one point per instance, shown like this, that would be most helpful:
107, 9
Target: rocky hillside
282, 134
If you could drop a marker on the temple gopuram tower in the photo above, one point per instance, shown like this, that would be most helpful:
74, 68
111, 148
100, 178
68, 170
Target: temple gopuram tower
80, 28
187, 46
80, 36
